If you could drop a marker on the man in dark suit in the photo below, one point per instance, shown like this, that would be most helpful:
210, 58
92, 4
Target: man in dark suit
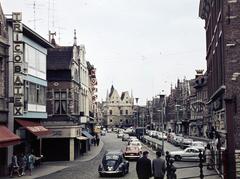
158, 166
143, 167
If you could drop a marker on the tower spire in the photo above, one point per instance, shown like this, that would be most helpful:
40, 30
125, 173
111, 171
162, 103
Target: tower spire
75, 37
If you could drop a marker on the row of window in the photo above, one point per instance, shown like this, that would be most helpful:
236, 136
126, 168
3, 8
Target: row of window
121, 112
213, 20
35, 58
61, 99
34, 94
118, 101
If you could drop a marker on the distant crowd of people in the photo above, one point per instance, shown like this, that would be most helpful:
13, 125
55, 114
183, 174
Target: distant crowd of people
21, 163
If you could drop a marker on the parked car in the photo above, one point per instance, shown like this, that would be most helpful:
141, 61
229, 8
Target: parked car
132, 152
109, 130
120, 135
113, 163
125, 137
177, 140
188, 154
161, 135
199, 145
185, 142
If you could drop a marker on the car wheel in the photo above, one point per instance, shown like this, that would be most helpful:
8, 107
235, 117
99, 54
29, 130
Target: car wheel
177, 157
100, 174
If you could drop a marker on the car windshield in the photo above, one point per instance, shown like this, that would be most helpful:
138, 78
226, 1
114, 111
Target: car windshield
111, 163
112, 157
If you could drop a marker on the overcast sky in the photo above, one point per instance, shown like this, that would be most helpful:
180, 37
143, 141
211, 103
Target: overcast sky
138, 45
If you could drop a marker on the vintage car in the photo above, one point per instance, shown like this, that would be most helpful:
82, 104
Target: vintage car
136, 143
113, 163
120, 135
199, 145
185, 142
189, 154
125, 137
132, 152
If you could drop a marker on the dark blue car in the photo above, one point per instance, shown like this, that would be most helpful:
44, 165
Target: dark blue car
113, 163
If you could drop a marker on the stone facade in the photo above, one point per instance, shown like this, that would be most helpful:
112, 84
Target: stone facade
3, 68
118, 110
198, 125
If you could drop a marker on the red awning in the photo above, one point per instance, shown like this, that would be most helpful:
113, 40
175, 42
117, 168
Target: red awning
7, 137
34, 127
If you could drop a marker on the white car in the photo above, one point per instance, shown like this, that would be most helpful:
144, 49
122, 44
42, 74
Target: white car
120, 135
199, 145
161, 136
132, 140
136, 143
189, 154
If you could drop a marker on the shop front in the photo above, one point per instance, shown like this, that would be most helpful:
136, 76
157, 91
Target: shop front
31, 134
66, 138
7, 138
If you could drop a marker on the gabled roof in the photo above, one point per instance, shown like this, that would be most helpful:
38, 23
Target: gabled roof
111, 92
123, 95
59, 58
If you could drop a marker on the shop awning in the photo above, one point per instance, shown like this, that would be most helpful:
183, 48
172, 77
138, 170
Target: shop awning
86, 134
82, 138
7, 137
34, 127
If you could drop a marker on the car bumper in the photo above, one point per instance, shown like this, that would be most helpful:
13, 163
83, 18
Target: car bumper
131, 156
110, 172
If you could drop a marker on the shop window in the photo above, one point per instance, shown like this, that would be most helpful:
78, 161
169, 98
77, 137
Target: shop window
32, 93
37, 95
26, 95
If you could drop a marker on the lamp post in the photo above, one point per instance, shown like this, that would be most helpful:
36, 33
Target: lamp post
177, 109
137, 111
161, 117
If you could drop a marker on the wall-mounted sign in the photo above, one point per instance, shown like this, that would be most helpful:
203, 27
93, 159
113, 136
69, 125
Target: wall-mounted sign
18, 85
64, 132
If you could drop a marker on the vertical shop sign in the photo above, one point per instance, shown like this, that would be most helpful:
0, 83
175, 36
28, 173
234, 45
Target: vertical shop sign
18, 85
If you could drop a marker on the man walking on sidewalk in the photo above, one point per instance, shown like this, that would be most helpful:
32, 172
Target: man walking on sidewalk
143, 167
158, 166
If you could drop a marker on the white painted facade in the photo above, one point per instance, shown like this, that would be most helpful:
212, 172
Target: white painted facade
118, 110
84, 82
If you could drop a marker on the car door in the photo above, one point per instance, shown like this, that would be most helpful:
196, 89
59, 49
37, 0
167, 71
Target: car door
187, 154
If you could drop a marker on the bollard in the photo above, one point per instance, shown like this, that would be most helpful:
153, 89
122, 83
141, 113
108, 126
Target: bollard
201, 165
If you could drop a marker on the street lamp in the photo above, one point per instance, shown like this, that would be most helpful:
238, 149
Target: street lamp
161, 111
137, 111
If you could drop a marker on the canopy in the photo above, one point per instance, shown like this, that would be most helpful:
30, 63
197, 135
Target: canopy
86, 134
7, 137
34, 127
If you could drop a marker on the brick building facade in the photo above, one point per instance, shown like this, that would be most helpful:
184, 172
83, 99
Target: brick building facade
222, 19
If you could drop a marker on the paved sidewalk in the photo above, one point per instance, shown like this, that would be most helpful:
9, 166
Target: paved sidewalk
47, 168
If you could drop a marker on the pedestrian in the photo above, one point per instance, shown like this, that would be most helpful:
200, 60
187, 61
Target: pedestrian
158, 166
14, 166
143, 167
97, 139
23, 163
171, 170
31, 161
208, 157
